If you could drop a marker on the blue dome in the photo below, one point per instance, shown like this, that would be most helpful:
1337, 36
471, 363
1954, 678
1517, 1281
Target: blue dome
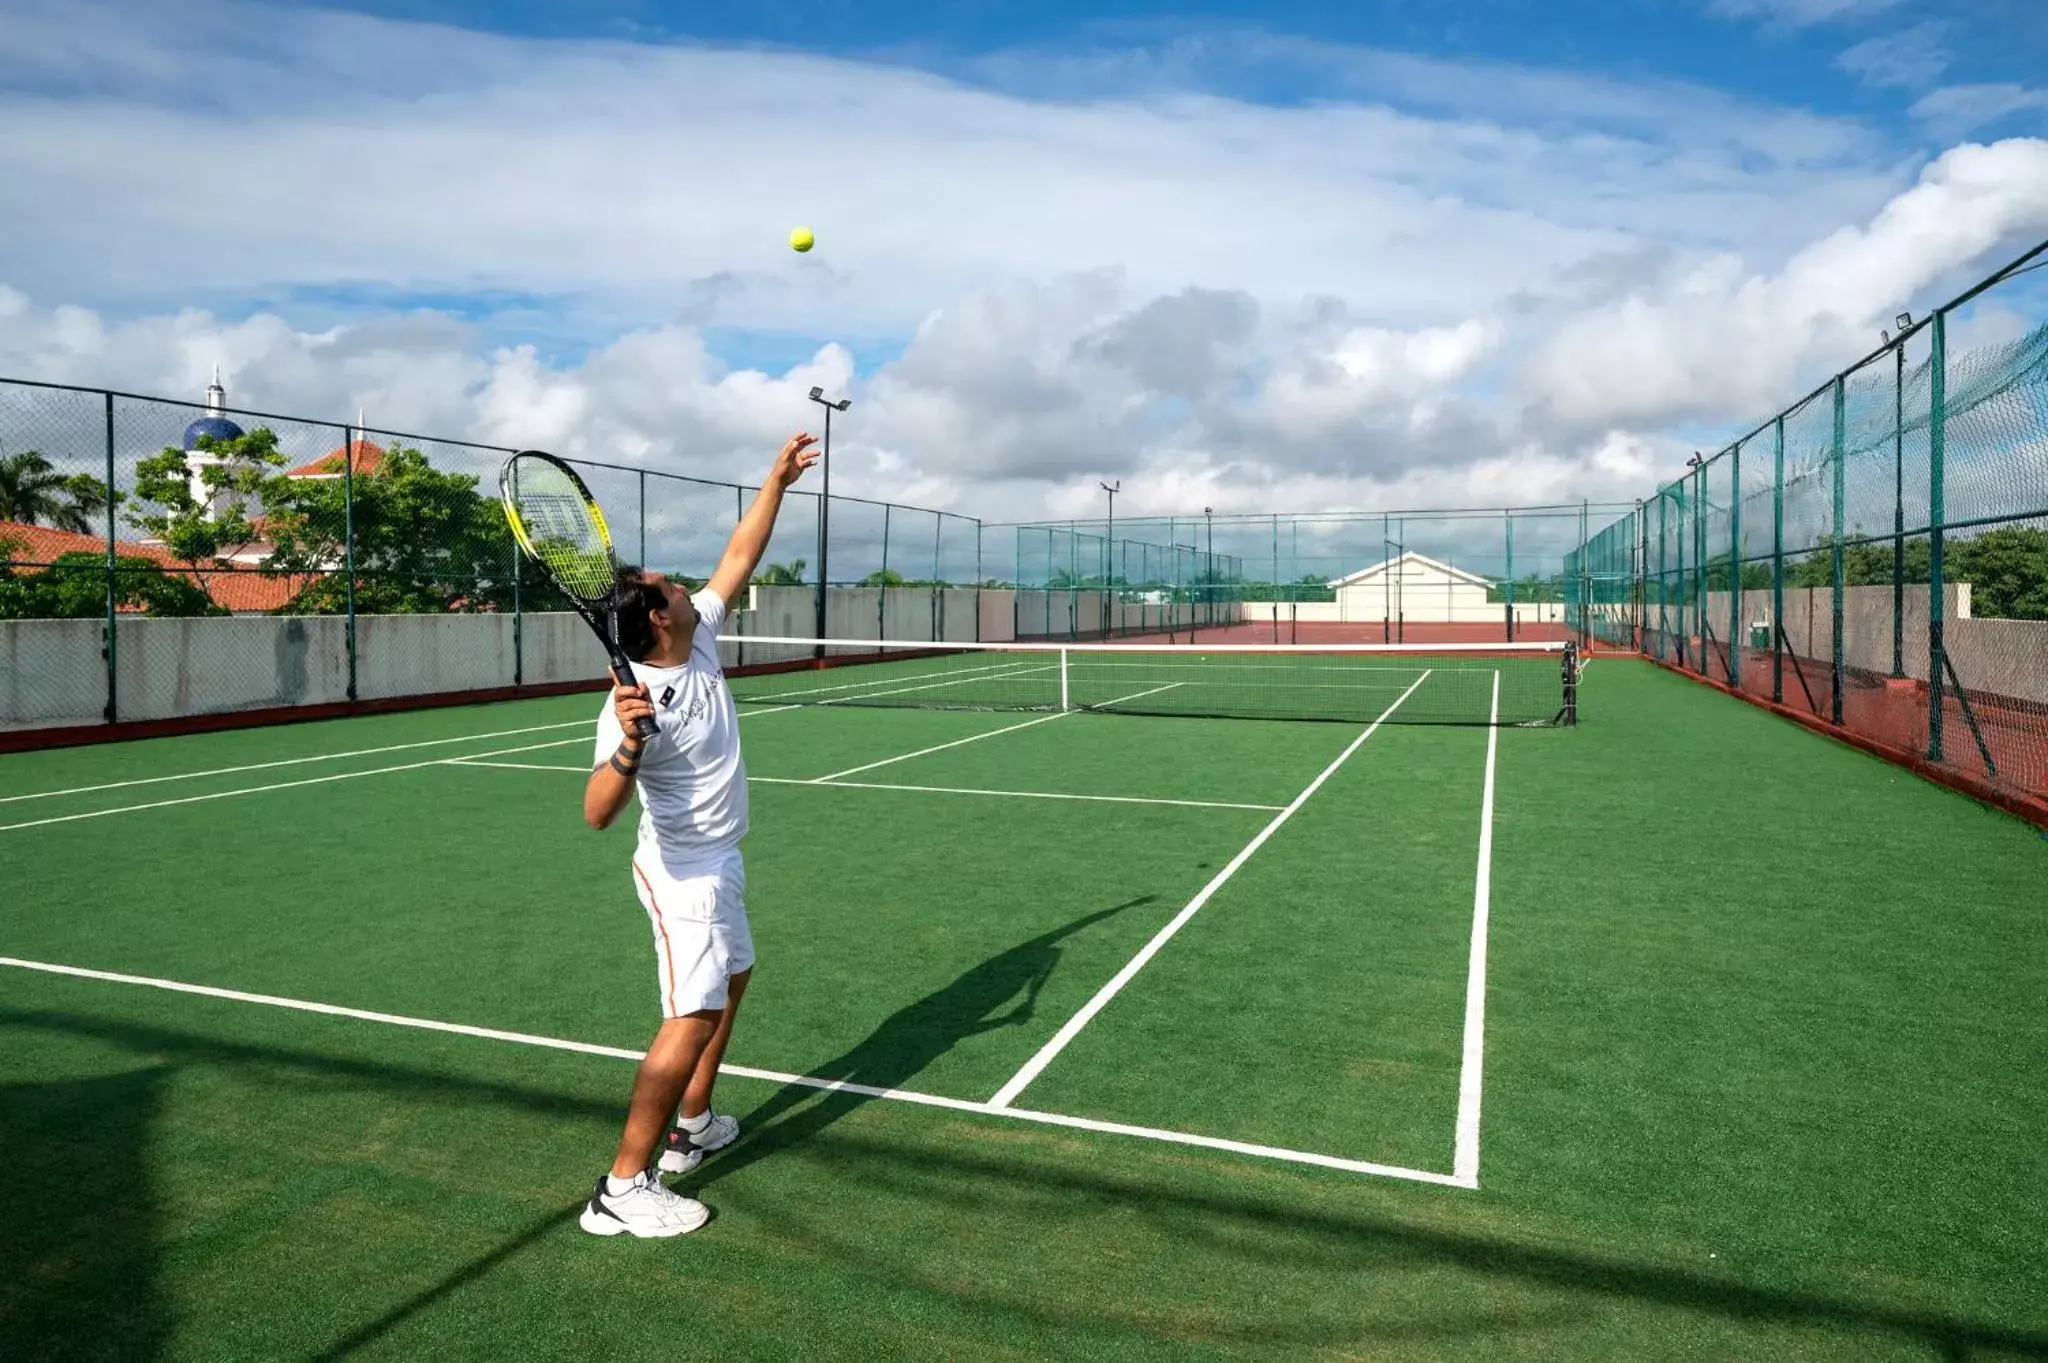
219, 427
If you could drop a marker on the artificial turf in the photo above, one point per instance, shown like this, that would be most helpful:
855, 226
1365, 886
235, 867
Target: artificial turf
1763, 1048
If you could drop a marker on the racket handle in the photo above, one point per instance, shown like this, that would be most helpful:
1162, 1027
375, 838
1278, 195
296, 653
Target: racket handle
644, 728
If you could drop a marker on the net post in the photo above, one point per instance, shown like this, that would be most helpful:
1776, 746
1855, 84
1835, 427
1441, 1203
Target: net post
1735, 564
1937, 512
112, 650
1778, 562
348, 544
1571, 684
1835, 555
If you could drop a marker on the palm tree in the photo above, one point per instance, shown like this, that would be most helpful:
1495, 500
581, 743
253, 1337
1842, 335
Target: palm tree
33, 492
789, 574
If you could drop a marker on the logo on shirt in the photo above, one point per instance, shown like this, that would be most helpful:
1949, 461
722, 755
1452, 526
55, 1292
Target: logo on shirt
668, 694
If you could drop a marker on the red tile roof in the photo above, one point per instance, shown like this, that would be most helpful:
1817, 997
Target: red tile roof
239, 589
364, 456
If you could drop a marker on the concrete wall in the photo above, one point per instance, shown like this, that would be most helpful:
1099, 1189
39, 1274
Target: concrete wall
1424, 611
2005, 657
53, 672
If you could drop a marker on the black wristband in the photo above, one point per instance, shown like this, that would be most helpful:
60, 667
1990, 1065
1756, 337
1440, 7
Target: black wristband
624, 768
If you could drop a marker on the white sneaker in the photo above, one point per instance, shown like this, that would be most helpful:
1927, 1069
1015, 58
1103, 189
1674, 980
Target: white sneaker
646, 1209
682, 1151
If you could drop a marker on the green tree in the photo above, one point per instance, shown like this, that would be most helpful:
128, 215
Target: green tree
424, 541
74, 587
205, 532
884, 577
34, 493
2007, 570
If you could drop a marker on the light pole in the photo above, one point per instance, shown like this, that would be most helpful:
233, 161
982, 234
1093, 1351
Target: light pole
1109, 558
1209, 568
825, 506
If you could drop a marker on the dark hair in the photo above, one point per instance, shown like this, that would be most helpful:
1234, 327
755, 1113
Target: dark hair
634, 598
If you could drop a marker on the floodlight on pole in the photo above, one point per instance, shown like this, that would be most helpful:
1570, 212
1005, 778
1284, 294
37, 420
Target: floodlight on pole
825, 505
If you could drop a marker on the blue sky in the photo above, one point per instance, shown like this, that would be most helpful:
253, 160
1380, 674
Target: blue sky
1800, 52
1258, 256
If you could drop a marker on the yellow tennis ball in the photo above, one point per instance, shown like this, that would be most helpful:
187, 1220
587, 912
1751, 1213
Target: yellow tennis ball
802, 240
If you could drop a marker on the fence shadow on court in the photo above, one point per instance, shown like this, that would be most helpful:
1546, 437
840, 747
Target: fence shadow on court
1001, 991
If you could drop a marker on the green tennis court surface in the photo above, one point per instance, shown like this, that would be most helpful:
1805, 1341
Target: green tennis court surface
1757, 1073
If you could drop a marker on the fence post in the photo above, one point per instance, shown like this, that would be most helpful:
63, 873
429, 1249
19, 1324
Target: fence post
1699, 566
1899, 510
643, 517
1663, 588
1937, 512
1778, 563
348, 544
1840, 457
1735, 564
112, 651
1639, 578
882, 582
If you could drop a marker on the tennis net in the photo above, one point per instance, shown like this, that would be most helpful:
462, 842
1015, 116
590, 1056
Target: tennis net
1518, 684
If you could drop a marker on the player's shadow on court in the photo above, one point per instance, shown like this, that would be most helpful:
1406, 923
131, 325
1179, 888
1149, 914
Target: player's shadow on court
1000, 992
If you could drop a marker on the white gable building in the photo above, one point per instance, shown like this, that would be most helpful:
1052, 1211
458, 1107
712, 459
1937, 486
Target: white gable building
1417, 587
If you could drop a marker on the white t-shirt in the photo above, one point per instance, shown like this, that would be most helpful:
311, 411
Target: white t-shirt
692, 783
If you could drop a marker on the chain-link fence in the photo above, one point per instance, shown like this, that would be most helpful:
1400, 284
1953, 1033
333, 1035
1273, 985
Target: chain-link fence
1072, 583
1486, 575
161, 560
1875, 557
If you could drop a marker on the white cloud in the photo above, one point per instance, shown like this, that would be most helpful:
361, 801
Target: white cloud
1721, 339
1908, 59
1958, 110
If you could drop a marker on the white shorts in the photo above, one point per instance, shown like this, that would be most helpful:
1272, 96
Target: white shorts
701, 938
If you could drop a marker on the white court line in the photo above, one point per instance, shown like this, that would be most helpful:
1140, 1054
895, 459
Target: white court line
290, 761
1013, 794
1465, 1159
940, 747
976, 738
929, 790
747, 1072
520, 766
280, 785
1007, 1094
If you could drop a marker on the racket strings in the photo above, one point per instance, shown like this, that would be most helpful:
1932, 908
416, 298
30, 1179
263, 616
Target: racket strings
562, 528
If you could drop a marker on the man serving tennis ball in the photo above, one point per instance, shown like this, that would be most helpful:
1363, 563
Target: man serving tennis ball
693, 798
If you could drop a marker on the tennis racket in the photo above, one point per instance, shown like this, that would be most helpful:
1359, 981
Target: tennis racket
560, 526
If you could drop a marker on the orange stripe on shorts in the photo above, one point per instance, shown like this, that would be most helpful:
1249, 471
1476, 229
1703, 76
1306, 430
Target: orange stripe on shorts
668, 999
